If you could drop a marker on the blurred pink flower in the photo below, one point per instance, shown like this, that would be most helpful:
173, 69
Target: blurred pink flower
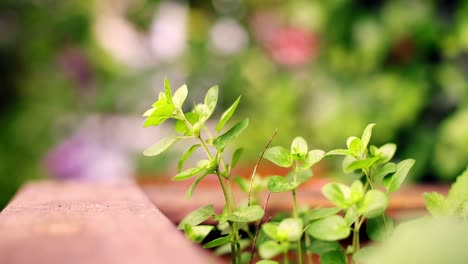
293, 46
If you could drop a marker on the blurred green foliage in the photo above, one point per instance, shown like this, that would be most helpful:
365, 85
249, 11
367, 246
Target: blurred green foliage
400, 64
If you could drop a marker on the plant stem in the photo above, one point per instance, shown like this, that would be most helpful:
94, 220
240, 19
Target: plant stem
230, 206
285, 257
310, 259
296, 214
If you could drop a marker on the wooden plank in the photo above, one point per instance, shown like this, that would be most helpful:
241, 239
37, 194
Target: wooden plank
49, 222
168, 196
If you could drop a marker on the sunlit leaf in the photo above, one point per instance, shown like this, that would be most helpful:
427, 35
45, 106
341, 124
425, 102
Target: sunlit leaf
330, 228
299, 148
290, 229
357, 191
364, 164
236, 156
436, 204
194, 185
373, 204
218, 241
279, 156
342, 152
355, 146
393, 182
248, 214
280, 184
227, 115
185, 156
163, 145
338, 194
188, 173
179, 96
223, 140
313, 157
197, 233
320, 213
197, 217
383, 171
271, 230
270, 249
386, 152
366, 135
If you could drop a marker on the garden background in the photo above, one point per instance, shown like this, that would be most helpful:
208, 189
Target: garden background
76, 76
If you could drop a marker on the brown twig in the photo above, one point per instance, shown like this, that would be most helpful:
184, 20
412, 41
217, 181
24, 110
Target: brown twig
258, 162
252, 251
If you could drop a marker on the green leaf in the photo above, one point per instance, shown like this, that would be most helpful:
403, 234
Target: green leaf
185, 156
351, 216
329, 229
383, 171
341, 152
163, 145
227, 115
458, 194
221, 142
393, 182
290, 229
364, 164
197, 217
356, 191
218, 241
373, 204
162, 111
436, 204
334, 257
242, 183
279, 156
194, 184
299, 148
379, 229
280, 184
197, 233
338, 194
236, 156
267, 261
181, 126
211, 98
366, 135
312, 158
386, 153
320, 213
355, 146
321, 247
167, 90
149, 111
301, 176
270, 249
226, 248
179, 96
248, 214
271, 230
188, 173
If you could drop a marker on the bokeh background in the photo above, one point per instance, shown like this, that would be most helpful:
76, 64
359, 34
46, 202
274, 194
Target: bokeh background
76, 75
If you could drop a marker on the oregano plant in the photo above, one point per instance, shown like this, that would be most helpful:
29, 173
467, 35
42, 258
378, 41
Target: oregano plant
290, 230
192, 125
366, 198
307, 232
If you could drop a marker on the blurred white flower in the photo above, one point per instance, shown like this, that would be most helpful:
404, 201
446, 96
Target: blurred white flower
228, 37
168, 34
